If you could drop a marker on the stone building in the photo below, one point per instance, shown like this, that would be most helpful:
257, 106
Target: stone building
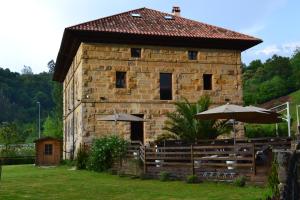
140, 62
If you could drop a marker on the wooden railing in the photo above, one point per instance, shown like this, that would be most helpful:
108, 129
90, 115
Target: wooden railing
211, 159
205, 158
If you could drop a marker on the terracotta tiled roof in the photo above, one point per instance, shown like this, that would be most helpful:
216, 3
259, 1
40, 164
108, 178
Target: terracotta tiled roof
147, 27
153, 23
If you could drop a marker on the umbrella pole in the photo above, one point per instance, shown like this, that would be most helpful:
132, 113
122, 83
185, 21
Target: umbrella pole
234, 137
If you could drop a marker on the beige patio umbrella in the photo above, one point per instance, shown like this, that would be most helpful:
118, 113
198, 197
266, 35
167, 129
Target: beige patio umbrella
122, 117
249, 114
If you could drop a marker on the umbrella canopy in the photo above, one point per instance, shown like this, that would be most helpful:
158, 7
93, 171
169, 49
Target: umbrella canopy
121, 117
248, 114
272, 118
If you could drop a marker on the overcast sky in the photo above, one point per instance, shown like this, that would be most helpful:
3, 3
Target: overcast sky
31, 30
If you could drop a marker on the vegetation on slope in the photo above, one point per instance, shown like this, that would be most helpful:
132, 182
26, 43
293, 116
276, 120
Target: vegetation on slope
276, 77
19, 94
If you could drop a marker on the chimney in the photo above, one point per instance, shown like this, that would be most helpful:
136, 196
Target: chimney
176, 11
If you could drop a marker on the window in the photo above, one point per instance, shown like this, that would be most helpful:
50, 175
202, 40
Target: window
48, 149
207, 81
120, 79
136, 52
165, 86
192, 55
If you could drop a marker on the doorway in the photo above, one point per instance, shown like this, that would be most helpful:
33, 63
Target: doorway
137, 130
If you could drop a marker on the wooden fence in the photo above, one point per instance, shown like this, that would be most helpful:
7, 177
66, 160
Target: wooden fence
222, 162
210, 162
214, 160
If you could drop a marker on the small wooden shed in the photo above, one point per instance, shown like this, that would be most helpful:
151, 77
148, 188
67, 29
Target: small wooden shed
48, 151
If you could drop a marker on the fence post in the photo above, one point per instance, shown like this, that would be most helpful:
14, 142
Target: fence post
0, 168
145, 165
192, 160
253, 159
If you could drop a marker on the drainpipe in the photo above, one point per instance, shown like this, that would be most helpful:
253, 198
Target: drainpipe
73, 120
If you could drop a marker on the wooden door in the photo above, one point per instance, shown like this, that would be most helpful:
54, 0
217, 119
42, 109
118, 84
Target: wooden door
48, 154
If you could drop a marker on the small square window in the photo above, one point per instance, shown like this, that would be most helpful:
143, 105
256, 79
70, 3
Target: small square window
207, 81
120, 79
192, 55
48, 149
136, 52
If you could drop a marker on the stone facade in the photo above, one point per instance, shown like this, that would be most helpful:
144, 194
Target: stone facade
90, 92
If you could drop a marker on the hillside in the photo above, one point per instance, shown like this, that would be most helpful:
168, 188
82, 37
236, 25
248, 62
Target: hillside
276, 77
19, 94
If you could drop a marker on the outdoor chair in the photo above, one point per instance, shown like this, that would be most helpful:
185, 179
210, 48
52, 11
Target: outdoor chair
261, 157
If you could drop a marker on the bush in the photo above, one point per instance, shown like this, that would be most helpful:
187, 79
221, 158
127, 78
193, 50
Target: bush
104, 151
164, 176
68, 162
192, 179
82, 158
18, 160
264, 130
240, 181
273, 179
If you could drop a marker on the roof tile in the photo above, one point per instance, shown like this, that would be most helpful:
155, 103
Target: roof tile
153, 23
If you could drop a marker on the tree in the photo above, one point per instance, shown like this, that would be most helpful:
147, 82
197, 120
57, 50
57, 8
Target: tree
26, 70
8, 134
51, 66
53, 127
182, 121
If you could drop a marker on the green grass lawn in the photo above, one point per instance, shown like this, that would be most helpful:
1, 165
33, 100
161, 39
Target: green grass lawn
30, 182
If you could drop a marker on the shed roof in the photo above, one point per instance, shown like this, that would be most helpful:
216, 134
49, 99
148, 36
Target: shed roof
147, 26
46, 138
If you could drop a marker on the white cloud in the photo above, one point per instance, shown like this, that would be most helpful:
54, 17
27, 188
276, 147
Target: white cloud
290, 47
284, 49
269, 50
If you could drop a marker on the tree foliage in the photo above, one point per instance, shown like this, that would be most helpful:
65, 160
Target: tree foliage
275, 77
8, 134
19, 94
182, 121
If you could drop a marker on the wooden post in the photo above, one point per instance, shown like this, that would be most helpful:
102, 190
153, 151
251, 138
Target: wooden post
192, 160
0, 168
145, 159
253, 159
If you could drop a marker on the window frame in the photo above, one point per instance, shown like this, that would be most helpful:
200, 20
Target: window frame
163, 89
191, 55
132, 52
205, 82
120, 86
48, 149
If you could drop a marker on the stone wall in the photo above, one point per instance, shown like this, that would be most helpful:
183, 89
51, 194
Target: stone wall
92, 80
288, 174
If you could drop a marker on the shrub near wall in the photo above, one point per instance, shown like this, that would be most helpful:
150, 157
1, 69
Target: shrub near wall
104, 151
